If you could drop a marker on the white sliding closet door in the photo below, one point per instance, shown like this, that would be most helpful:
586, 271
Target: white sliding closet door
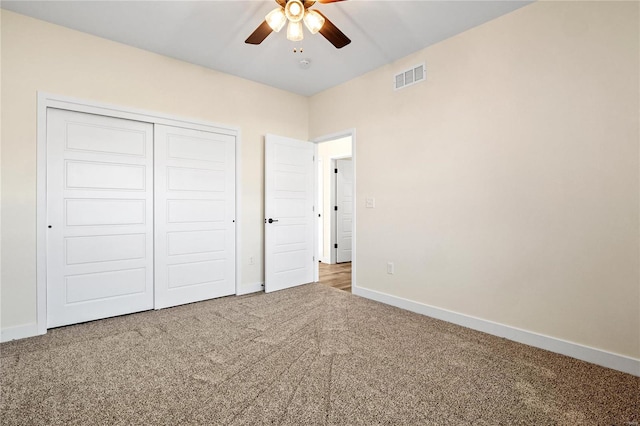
194, 215
100, 217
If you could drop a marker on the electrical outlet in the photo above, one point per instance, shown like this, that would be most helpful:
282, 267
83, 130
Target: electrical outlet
390, 268
252, 261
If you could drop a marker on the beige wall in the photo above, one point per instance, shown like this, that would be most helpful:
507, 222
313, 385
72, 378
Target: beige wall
326, 151
506, 185
37, 56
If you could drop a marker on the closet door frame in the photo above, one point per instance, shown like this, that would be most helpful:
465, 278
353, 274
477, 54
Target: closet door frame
48, 100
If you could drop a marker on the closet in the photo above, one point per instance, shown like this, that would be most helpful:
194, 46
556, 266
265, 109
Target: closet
140, 215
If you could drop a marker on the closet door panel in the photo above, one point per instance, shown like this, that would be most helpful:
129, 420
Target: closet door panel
100, 217
194, 215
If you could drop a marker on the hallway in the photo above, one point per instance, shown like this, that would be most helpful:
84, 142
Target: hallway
337, 275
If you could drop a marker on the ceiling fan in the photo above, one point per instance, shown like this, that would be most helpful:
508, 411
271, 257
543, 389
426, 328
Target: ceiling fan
296, 12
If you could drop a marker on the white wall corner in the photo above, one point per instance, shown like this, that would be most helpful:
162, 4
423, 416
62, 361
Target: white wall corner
19, 332
552, 344
249, 288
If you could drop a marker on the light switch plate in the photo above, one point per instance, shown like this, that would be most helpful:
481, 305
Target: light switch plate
370, 202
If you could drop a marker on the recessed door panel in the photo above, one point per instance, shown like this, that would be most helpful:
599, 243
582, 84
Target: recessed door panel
291, 208
200, 180
191, 211
105, 176
195, 242
98, 212
289, 235
104, 248
102, 285
201, 149
290, 181
196, 274
102, 137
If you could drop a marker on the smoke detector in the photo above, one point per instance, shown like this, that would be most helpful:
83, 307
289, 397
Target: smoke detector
305, 63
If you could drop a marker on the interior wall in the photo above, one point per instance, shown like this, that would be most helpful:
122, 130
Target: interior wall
507, 183
326, 151
38, 56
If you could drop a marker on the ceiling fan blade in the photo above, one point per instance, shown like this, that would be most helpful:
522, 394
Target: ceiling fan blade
332, 33
330, 1
308, 3
282, 2
259, 34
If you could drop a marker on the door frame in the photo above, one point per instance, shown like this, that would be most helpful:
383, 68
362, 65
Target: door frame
48, 100
342, 134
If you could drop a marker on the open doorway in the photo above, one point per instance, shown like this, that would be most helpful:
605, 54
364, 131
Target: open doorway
335, 192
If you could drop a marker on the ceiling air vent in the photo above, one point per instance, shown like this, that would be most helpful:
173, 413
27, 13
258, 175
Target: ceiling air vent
409, 77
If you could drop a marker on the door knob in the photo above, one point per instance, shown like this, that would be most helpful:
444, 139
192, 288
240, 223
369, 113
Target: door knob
272, 220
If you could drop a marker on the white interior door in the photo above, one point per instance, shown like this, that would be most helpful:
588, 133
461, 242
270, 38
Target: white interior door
100, 217
320, 208
289, 211
194, 214
344, 214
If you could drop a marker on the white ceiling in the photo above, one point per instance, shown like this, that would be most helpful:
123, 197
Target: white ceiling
212, 33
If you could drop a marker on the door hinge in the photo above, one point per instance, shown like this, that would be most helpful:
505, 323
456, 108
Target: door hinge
335, 208
314, 258
335, 170
335, 246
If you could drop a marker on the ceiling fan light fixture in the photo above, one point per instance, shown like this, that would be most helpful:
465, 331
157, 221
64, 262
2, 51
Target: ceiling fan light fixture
294, 31
276, 19
313, 20
294, 10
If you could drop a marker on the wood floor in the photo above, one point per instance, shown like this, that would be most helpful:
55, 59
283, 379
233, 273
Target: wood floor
338, 275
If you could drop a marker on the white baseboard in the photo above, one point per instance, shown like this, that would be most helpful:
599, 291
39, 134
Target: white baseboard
574, 350
249, 288
19, 332
325, 260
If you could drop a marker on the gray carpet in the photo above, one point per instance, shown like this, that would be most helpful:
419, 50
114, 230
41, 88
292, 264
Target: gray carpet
305, 356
